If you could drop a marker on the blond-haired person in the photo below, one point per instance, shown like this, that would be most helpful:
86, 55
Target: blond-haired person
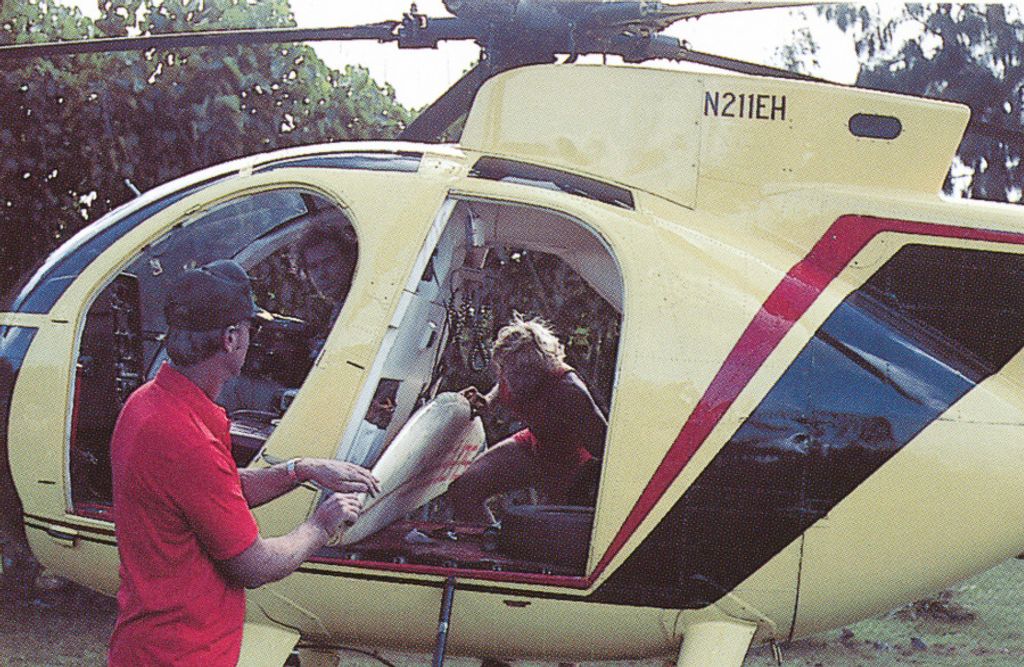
564, 427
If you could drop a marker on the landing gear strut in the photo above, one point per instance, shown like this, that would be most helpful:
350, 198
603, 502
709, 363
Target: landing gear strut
716, 644
443, 621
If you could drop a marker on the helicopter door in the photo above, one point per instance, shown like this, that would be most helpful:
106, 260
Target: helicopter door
270, 233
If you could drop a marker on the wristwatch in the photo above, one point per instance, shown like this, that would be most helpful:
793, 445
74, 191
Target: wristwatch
293, 475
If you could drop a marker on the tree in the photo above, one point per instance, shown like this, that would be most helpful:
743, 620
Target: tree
972, 54
81, 131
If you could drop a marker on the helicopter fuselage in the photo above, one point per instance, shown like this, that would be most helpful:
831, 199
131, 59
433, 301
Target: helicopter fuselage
816, 412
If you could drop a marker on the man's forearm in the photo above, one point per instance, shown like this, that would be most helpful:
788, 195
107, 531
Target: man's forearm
261, 485
275, 558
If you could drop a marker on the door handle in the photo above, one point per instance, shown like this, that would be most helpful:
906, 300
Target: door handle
66, 537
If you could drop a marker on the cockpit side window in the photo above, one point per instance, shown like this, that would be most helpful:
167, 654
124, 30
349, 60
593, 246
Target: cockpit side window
300, 250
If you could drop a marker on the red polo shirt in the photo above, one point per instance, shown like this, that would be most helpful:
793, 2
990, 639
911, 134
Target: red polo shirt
178, 506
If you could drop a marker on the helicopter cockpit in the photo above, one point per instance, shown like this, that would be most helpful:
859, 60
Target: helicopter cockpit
122, 342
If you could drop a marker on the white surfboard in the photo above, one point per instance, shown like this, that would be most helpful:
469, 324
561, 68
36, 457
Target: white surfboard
434, 447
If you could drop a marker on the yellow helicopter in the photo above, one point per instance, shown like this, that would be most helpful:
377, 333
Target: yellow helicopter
813, 405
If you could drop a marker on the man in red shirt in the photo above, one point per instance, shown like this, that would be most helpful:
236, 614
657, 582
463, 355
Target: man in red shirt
188, 542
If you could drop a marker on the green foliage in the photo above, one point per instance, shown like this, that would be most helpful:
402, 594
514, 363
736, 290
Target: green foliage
972, 54
75, 127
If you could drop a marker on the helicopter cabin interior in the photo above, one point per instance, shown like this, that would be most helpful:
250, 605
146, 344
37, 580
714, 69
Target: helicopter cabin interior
482, 261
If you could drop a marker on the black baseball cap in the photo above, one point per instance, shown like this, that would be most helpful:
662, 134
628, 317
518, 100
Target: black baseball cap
212, 297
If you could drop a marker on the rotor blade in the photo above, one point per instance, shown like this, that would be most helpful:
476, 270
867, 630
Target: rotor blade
378, 31
439, 116
412, 32
1012, 138
670, 48
741, 66
658, 16
698, 9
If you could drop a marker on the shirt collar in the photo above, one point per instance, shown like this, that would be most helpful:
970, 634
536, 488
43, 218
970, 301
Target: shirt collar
188, 392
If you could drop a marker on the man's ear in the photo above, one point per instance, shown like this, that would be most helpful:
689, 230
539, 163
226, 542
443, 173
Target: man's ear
229, 339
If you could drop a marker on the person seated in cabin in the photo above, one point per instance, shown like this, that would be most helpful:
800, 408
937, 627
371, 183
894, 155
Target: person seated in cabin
326, 253
565, 429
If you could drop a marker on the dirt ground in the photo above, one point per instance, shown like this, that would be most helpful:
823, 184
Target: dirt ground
979, 622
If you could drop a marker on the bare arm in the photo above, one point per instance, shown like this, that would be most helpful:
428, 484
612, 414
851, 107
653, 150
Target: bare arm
268, 560
261, 485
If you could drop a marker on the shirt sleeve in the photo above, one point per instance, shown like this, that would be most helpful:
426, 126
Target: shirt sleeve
209, 493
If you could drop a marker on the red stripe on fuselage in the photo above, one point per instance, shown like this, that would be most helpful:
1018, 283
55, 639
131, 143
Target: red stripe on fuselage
785, 305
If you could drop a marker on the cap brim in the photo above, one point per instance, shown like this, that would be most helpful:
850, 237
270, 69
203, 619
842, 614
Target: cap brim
260, 315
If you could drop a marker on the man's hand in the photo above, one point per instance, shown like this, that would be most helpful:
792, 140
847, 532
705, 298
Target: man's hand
478, 402
337, 510
339, 476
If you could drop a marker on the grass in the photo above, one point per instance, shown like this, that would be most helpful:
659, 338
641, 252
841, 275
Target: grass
978, 622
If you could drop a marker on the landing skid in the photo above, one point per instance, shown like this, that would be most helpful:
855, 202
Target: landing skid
716, 644
266, 645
